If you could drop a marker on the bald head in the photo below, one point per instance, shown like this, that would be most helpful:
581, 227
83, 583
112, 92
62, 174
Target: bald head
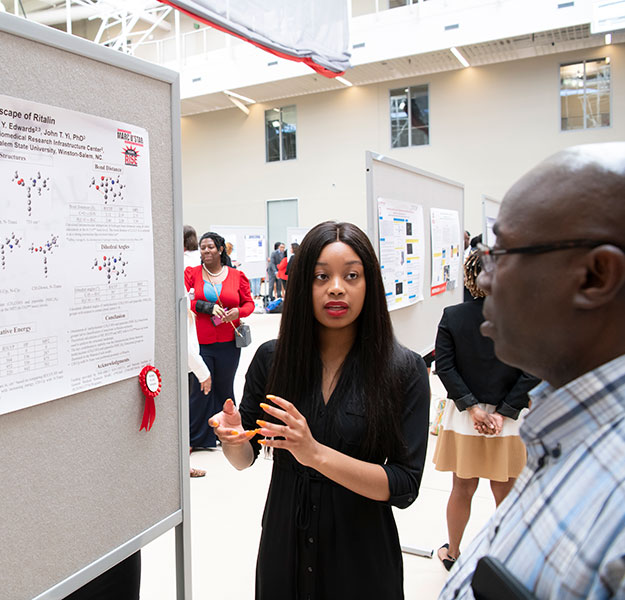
576, 193
560, 312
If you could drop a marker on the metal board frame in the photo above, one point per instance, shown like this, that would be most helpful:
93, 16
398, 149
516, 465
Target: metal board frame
40, 34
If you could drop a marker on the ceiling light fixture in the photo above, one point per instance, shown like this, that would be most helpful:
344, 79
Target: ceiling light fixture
463, 61
608, 39
344, 81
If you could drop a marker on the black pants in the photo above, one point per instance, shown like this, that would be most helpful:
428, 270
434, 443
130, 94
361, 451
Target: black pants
121, 582
222, 360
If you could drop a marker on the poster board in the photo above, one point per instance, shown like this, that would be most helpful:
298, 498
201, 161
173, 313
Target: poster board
415, 325
490, 210
250, 248
295, 235
82, 486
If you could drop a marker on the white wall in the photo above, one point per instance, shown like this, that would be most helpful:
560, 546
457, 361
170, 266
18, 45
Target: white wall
488, 125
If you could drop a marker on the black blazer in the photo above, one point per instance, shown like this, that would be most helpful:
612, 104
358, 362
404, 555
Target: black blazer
467, 365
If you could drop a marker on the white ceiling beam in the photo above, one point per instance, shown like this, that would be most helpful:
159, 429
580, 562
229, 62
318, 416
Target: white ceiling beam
239, 104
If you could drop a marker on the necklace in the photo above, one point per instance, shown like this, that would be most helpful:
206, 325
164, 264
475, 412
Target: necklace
213, 274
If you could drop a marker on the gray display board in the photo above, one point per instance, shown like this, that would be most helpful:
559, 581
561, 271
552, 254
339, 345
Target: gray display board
415, 326
82, 487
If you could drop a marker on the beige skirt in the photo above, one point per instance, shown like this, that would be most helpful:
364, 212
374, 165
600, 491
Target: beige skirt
461, 449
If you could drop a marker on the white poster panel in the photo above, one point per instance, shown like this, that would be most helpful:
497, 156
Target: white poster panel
491, 238
249, 248
446, 249
255, 248
295, 235
401, 233
76, 253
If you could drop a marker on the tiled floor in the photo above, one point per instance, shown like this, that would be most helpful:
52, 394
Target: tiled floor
226, 509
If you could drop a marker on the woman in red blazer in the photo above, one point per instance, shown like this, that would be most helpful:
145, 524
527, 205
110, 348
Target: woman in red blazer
282, 265
221, 296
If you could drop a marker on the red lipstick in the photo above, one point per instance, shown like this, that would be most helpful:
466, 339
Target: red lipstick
335, 308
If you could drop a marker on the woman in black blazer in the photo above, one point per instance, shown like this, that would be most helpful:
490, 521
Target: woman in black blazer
480, 424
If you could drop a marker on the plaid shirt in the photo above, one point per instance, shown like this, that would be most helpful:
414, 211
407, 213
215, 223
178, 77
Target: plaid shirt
561, 530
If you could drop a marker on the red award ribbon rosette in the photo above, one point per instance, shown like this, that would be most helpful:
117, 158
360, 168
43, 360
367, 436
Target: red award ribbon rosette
150, 381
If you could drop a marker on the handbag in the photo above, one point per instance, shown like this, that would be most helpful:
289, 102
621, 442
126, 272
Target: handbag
243, 335
435, 427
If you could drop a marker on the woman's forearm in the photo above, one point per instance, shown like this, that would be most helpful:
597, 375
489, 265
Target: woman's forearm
367, 479
240, 456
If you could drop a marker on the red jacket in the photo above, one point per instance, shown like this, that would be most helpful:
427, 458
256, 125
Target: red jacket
235, 293
282, 269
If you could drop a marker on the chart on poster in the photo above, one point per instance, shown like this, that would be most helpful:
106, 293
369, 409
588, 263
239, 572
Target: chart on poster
76, 252
402, 249
445, 231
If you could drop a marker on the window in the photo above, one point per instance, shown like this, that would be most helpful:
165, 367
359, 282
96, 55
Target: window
410, 117
585, 94
280, 126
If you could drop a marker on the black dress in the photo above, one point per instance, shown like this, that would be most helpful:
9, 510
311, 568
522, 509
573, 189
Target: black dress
321, 541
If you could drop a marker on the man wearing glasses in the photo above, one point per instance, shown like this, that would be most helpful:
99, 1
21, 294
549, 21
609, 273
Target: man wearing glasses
556, 308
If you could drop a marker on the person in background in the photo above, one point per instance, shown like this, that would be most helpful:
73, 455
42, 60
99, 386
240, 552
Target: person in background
347, 425
282, 276
198, 371
191, 251
221, 297
294, 249
480, 424
197, 368
555, 307
272, 270
235, 264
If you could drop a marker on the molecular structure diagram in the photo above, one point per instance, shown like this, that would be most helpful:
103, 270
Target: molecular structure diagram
32, 184
111, 189
113, 266
45, 249
7, 246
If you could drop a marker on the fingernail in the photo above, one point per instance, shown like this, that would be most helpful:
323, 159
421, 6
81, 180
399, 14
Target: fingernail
264, 406
262, 442
234, 432
270, 397
261, 422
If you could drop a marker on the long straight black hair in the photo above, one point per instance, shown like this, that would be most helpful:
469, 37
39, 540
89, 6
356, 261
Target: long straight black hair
376, 364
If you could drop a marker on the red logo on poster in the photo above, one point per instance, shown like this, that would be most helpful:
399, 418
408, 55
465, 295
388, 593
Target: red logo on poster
131, 155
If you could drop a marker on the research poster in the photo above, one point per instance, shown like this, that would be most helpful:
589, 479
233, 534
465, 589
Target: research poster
76, 253
255, 250
446, 250
402, 247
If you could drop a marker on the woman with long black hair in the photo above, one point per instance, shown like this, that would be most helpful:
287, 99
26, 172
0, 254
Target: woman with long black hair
346, 417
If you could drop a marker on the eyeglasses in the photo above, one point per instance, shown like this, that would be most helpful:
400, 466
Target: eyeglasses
489, 255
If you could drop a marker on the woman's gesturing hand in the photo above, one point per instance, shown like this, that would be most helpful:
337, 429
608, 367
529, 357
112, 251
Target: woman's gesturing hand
228, 427
297, 437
